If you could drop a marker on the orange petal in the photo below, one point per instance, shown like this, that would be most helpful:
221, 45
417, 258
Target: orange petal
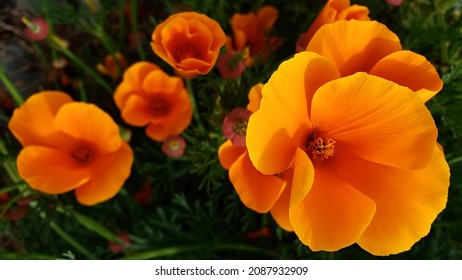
133, 81
407, 201
282, 121
87, 122
412, 70
333, 215
51, 171
257, 191
280, 210
376, 120
228, 154
354, 46
254, 97
266, 17
137, 111
109, 173
354, 12
32, 123
303, 177
159, 82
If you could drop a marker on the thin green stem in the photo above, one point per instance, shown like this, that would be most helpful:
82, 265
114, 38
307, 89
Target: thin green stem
82, 92
71, 241
9, 165
134, 25
194, 106
15, 94
80, 63
40, 54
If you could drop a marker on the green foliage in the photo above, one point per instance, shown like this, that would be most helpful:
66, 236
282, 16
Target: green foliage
192, 211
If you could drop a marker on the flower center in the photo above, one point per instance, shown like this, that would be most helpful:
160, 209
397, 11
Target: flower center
185, 52
319, 146
240, 127
82, 155
174, 145
160, 108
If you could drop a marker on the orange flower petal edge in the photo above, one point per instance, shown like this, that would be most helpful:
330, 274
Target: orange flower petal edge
79, 136
190, 42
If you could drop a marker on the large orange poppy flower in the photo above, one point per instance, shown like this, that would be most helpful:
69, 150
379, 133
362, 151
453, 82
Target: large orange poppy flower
259, 192
149, 97
251, 31
333, 11
366, 165
70, 146
368, 46
190, 42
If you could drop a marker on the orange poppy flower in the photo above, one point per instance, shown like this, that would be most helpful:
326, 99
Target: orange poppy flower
363, 153
252, 31
190, 42
333, 11
70, 146
148, 96
368, 46
249, 182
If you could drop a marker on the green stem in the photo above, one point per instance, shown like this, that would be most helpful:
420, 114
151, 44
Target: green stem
82, 92
89, 71
134, 25
174, 250
17, 97
9, 165
194, 106
71, 241
40, 54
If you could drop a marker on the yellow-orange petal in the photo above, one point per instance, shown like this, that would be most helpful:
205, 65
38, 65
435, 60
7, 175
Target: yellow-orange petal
254, 97
109, 173
257, 191
132, 82
50, 170
228, 154
333, 215
376, 120
354, 12
280, 210
412, 70
303, 177
354, 46
407, 201
89, 123
157, 82
32, 123
282, 120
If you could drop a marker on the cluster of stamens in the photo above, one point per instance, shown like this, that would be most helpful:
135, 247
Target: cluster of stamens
320, 147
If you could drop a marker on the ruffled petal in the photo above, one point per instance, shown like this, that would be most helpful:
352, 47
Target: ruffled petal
257, 191
109, 173
280, 210
254, 98
412, 70
354, 46
376, 120
333, 215
228, 154
51, 171
32, 123
89, 123
285, 102
137, 111
407, 201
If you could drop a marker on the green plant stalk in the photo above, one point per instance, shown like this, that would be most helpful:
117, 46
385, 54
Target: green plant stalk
194, 106
89, 71
71, 241
17, 97
134, 25
82, 92
174, 250
9, 165
40, 54
444, 53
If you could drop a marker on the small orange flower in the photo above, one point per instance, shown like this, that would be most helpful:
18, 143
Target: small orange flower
148, 96
368, 46
70, 146
110, 67
362, 151
251, 31
259, 192
190, 42
333, 11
